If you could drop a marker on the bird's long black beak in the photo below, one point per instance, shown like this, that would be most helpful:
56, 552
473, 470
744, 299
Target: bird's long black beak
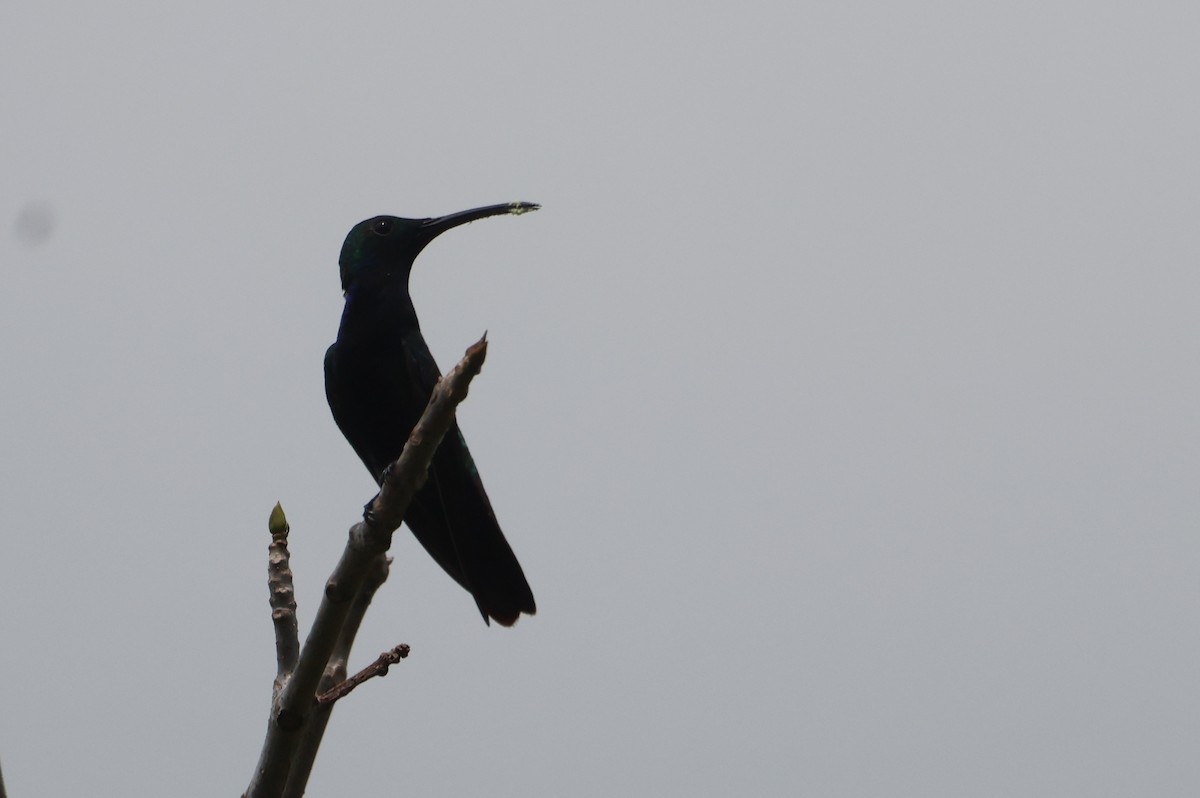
435, 227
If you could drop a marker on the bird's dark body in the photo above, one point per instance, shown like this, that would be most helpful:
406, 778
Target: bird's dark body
379, 375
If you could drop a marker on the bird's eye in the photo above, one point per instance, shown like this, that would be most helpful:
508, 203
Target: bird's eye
381, 227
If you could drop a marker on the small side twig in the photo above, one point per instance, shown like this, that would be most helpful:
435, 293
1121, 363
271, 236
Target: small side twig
377, 668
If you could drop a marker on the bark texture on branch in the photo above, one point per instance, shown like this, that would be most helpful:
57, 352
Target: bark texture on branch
283, 599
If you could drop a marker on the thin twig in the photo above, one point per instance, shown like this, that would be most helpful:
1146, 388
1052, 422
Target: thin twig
377, 668
368, 539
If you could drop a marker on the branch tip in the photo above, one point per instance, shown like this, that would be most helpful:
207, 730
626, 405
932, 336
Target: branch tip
277, 523
477, 350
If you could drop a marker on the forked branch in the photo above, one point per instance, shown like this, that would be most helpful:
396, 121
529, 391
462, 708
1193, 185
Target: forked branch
294, 705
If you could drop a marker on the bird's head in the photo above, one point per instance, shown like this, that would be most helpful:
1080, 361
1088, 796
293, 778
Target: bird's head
388, 245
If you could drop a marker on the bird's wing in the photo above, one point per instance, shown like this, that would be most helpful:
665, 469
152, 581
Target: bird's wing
454, 505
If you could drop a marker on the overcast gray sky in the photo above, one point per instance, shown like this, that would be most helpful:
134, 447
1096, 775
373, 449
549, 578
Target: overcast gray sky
840, 402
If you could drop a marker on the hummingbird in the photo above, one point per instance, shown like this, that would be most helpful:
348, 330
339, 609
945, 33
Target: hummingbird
379, 375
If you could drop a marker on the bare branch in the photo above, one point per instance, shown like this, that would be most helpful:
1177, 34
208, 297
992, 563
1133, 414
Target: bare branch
377, 668
283, 599
368, 539
335, 672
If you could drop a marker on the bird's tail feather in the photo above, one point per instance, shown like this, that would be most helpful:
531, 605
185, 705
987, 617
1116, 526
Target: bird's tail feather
453, 519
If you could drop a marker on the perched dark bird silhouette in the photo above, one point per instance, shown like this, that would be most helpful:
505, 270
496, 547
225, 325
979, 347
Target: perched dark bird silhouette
379, 375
